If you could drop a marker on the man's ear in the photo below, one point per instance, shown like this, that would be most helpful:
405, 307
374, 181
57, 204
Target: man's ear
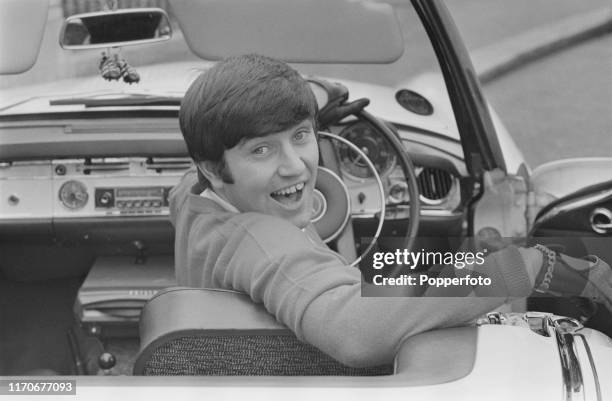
209, 170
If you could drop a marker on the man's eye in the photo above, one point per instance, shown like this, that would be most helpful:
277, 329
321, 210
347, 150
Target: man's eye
260, 150
300, 136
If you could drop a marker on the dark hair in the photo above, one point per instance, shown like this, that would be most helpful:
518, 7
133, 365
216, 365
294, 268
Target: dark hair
239, 98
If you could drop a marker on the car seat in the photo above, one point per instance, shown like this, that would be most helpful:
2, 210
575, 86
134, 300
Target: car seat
194, 331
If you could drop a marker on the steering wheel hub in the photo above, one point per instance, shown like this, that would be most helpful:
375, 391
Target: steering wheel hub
331, 205
319, 206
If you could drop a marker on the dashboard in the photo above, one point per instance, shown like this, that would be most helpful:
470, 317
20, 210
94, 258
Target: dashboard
89, 187
96, 173
438, 179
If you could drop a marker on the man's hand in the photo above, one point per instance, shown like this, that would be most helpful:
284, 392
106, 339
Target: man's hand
335, 112
589, 277
337, 107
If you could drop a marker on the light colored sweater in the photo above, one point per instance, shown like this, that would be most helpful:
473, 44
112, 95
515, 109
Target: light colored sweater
308, 287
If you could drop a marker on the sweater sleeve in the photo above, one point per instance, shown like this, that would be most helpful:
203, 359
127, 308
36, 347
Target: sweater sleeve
310, 289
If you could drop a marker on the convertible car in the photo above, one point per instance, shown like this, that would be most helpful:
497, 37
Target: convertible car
90, 148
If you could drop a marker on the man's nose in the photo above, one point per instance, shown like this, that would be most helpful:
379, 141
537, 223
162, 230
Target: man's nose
291, 162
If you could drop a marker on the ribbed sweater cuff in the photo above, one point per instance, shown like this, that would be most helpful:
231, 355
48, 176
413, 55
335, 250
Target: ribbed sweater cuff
509, 266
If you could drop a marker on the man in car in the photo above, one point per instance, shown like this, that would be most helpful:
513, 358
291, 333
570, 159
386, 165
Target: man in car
250, 125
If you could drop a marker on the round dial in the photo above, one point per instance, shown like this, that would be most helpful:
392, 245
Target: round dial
73, 195
373, 145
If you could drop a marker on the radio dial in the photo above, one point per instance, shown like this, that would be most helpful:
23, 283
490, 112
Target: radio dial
106, 198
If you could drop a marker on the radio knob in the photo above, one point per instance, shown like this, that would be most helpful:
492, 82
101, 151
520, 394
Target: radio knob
106, 198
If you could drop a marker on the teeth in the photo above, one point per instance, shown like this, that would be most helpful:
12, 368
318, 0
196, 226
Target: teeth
289, 190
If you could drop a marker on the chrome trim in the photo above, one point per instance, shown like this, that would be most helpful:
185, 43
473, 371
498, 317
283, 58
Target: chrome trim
348, 209
564, 329
424, 212
27, 179
381, 190
433, 202
601, 228
592, 363
494, 318
574, 204
538, 322
169, 166
319, 216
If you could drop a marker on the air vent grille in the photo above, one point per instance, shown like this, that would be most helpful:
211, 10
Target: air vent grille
434, 184
105, 165
160, 164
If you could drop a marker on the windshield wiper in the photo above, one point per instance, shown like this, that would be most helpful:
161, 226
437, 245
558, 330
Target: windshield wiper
120, 100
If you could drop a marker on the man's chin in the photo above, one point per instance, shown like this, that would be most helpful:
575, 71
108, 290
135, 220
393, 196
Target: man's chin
300, 220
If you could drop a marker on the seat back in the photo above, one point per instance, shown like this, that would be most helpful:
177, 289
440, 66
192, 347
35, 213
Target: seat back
194, 331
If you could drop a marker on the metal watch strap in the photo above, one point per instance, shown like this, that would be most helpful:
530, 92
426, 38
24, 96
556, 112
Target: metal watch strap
550, 257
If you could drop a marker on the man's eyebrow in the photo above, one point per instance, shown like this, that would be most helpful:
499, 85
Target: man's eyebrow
306, 124
250, 141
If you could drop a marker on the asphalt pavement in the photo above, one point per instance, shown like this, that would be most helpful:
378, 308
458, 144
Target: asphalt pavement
559, 106
494, 60
486, 22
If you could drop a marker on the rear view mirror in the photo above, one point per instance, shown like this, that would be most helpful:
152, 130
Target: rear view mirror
115, 28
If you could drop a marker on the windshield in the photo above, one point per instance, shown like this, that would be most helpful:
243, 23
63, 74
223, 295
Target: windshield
167, 68
55, 63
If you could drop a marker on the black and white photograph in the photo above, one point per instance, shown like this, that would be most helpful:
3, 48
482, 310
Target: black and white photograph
306, 199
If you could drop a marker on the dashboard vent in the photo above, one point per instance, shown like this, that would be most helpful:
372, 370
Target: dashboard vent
105, 165
434, 184
160, 164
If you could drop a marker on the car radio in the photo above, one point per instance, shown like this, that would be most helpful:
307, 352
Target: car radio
132, 200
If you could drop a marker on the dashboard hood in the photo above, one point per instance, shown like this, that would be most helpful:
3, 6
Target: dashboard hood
175, 78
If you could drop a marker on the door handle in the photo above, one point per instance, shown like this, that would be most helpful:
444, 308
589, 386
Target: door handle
601, 220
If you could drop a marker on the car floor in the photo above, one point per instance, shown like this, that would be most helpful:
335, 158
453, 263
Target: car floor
35, 318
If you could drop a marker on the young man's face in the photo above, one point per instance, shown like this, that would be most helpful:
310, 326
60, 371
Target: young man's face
274, 174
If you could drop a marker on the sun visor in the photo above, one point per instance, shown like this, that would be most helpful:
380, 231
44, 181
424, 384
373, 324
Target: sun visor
298, 31
22, 24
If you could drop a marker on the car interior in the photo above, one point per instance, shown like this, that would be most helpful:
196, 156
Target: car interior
86, 241
91, 229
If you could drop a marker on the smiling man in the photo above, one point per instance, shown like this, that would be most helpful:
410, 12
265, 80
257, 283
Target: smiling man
274, 174
249, 124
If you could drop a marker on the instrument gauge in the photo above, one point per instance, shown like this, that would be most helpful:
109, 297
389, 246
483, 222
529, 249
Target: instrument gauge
73, 195
375, 146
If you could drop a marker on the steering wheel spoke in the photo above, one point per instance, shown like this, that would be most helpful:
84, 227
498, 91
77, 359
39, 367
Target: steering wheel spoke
331, 194
334, 191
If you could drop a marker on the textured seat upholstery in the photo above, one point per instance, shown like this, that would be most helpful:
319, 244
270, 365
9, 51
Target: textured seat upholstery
189, 331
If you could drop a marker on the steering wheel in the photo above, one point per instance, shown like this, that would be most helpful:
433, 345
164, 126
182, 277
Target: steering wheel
332, 205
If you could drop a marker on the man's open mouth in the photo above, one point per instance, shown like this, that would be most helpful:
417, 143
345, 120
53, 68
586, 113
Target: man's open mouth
290, 194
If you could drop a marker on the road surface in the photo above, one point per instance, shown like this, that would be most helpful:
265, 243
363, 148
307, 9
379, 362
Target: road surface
559, 106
